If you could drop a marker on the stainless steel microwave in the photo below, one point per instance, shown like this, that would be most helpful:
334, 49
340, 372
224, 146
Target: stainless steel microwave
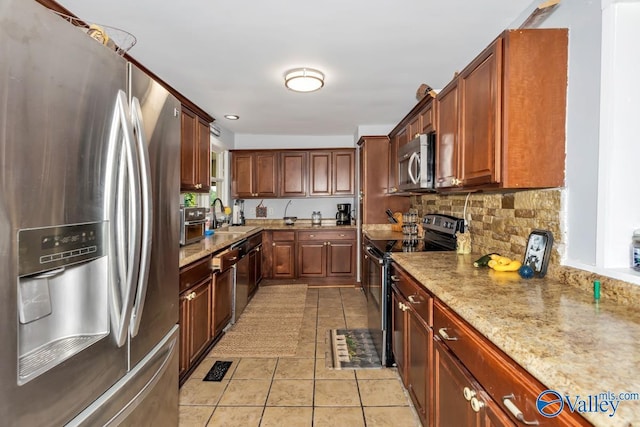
416, 163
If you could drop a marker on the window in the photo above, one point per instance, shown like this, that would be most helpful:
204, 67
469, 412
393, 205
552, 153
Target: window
218, 174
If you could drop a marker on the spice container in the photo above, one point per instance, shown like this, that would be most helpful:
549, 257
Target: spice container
635, 251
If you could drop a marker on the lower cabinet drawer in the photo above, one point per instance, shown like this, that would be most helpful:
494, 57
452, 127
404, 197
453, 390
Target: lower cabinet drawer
327, 235
419, 299
223, 260
194, 273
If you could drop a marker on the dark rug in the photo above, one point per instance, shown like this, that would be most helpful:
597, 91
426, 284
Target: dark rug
351, 349
217, 371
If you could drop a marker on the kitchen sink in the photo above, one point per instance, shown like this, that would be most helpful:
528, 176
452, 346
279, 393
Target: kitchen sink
235, 229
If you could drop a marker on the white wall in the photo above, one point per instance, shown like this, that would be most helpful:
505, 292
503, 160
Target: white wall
256, 142
600, 205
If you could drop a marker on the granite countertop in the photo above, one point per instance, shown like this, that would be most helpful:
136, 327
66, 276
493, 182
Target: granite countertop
554, 331
219, 241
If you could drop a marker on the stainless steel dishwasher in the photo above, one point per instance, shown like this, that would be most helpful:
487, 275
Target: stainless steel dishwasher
241, 284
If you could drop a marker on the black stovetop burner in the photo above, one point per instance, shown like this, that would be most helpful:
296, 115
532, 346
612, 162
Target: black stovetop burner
439, 235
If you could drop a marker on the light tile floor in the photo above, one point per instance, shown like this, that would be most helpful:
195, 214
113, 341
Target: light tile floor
301, 391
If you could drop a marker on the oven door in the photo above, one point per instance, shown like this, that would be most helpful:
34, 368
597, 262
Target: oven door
377, 302
192, 232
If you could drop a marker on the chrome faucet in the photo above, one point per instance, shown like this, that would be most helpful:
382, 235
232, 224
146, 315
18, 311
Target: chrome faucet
214, 219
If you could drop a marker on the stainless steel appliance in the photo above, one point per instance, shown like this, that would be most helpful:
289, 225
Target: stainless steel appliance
416, 163
246, 278
343, 216
193, 222
439, 235
237, 214
90, 186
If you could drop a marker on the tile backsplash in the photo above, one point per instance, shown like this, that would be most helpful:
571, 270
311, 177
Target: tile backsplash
501, 222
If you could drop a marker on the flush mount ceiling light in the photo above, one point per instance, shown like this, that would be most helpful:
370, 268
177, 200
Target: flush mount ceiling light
231, 116
304, 79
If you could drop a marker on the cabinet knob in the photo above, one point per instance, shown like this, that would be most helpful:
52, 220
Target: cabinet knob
328, 243
273, 244
476, 404
468, 393
445, 336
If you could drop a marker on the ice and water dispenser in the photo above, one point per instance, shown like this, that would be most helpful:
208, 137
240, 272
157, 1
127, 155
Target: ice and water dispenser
63, 294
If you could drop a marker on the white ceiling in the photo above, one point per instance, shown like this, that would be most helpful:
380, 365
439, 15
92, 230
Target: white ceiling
229, 57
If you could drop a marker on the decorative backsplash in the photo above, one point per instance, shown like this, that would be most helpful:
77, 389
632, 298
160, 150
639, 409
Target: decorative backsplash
502, 223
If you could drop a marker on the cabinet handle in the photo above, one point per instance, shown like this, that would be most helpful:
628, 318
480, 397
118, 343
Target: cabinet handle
342, 235
413, 300
468, 393
476, 404
394, 278
516, 411
403, 306
233, 258
273, 244
443, 334
366, 257
312, 235
190, 296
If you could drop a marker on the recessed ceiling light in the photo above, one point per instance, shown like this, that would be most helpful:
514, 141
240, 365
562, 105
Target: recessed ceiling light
231, 116
304, 79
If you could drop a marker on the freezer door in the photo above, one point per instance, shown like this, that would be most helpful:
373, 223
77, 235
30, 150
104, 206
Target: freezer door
156, 305
146, 396
58, 89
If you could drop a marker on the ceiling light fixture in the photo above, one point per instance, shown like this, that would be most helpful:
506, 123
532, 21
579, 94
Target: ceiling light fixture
231, 116
304, 79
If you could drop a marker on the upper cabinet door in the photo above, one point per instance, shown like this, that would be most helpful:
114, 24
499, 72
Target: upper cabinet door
447, 137
320, 163
188, 149
242, 175
343, 174
194, 153
266, 174
332, 173
479, 143
293, 182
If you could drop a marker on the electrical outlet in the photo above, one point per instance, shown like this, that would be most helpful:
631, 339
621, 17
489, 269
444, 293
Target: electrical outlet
270, 211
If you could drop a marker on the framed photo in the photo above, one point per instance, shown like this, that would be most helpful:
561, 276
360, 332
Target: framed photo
538, 251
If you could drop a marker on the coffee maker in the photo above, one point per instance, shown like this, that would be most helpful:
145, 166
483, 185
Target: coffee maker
237, 215
343, 216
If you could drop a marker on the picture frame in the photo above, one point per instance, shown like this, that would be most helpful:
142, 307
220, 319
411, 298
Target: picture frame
538, 251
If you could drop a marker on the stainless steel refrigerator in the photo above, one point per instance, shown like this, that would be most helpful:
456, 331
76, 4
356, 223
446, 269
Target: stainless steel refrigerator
89, 190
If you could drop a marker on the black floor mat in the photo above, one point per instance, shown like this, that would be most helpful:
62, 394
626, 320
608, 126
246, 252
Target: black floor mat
217, 371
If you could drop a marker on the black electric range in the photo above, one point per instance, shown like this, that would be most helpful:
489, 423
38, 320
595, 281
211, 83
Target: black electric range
439, 235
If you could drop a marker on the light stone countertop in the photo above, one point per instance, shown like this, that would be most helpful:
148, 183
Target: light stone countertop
556, 332
219, 241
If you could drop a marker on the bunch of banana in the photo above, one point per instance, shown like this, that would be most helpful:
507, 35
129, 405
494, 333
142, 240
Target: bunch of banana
503, 263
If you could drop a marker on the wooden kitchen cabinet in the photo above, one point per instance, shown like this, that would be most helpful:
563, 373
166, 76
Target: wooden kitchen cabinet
278, 258
195, 173
411, 327
373, 197
293, 173
222, 300
326, 254
458, 398
332, 173
501, 122
197, 316
254, 174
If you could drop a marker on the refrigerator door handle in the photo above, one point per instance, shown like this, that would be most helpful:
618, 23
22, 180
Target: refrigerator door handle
147, 215
123, 270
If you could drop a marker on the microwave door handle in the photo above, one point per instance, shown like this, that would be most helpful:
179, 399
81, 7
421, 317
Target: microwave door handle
414, 157
147, 215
